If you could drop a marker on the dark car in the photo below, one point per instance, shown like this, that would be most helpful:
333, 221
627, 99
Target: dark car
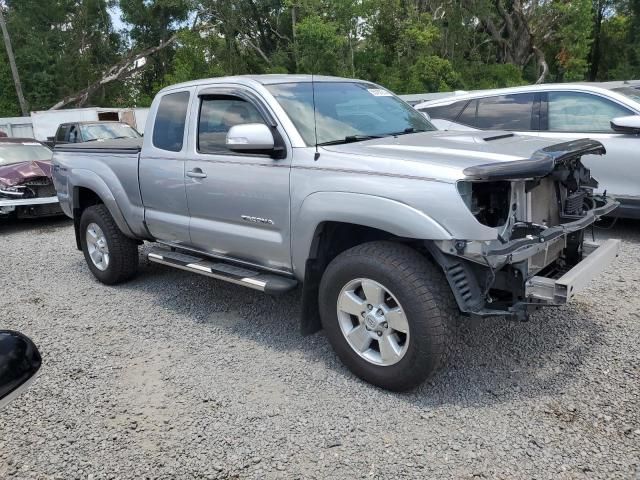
26, 188
20, 360
79, 132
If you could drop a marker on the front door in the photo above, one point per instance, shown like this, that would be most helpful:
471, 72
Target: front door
238, 203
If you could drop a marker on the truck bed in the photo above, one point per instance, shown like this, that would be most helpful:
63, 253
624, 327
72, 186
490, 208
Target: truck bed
102, 167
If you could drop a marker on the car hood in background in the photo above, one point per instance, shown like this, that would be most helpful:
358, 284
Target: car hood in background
18, 173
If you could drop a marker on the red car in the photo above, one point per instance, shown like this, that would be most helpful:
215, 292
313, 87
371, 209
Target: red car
26, 188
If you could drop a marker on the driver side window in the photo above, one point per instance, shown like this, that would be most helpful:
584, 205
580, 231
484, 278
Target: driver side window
217, 116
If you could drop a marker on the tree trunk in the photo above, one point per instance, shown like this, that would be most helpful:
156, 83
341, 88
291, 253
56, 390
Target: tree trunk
293, 35
594, 54
14, 69
123, 69
543, 67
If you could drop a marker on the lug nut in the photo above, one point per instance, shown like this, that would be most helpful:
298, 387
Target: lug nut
379, 334
369, 307
385, 325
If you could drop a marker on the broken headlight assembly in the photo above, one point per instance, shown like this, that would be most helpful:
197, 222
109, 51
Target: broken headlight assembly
13, 192
489, 202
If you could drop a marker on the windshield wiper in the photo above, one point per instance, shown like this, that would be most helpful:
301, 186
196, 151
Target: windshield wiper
405, 132
350, 139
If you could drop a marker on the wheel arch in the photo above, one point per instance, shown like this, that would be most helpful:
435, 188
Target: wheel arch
88, 190
329, 223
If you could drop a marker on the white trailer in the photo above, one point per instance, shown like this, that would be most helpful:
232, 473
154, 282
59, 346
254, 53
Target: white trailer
44, 123
17, 127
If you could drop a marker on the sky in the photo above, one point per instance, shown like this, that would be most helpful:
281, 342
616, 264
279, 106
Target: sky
115, 18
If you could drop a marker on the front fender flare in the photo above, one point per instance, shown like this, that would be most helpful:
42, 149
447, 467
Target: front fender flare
373, 211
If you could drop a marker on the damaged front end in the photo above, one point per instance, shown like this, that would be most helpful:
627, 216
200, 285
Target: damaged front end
27, 191
539, 208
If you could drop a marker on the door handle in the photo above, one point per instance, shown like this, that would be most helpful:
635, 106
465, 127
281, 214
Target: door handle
196, 173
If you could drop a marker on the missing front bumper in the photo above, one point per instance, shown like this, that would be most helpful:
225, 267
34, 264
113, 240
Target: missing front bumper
559, 291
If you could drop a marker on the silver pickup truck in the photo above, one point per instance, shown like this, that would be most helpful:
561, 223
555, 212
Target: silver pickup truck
390, 227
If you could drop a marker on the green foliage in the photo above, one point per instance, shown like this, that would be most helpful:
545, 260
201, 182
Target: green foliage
59, 45
572, 39
478, 76
318, 46
409, 46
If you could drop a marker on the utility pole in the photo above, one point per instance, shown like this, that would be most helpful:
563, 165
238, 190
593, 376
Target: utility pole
14, 69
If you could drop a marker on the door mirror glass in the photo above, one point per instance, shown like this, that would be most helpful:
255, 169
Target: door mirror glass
250, 137
19, 362
630, 124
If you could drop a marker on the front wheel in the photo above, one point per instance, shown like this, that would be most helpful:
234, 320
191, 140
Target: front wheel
388, 313
111, 256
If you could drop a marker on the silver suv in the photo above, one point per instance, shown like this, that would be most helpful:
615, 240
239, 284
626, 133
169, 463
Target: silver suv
608, 112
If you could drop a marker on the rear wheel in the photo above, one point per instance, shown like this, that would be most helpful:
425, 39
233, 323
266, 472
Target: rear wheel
388, 313
111, 256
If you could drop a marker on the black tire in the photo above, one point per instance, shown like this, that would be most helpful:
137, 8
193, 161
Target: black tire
123, 251
426, 299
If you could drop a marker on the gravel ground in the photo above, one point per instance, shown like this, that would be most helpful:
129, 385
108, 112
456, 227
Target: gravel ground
179, 376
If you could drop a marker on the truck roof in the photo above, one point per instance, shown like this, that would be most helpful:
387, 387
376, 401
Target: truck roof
266, 79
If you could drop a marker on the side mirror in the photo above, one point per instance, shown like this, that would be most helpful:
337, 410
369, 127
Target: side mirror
19, 362
250, 138
630, 124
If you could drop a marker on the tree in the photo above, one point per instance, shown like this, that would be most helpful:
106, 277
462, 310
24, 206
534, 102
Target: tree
12, 64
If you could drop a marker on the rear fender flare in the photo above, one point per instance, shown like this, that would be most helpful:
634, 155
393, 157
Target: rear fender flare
83, 178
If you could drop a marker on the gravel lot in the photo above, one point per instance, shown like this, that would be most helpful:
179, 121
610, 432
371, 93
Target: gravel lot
178, 376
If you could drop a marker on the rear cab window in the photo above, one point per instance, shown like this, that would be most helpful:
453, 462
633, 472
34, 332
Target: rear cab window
62, 133
170, 121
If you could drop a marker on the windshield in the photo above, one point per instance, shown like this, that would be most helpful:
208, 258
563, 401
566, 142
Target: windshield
629, 92
101, 131
23, 152
347, 111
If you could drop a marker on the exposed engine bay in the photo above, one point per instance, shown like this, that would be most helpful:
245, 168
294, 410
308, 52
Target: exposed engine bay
540, 209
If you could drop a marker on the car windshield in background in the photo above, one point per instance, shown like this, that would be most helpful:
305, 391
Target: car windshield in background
23, 152
347, 111
103, 131
628, 92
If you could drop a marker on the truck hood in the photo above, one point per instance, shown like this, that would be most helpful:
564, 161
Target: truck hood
475, 155
18, 173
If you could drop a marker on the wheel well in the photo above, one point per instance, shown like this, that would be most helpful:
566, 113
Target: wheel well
83, 199
86, 198
330, 240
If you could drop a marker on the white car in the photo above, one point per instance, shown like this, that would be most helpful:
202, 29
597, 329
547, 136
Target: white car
607, 112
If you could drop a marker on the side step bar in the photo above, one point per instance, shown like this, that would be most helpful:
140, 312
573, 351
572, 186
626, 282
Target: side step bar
269, 283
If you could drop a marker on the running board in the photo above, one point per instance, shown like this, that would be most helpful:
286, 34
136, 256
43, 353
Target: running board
269, 283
